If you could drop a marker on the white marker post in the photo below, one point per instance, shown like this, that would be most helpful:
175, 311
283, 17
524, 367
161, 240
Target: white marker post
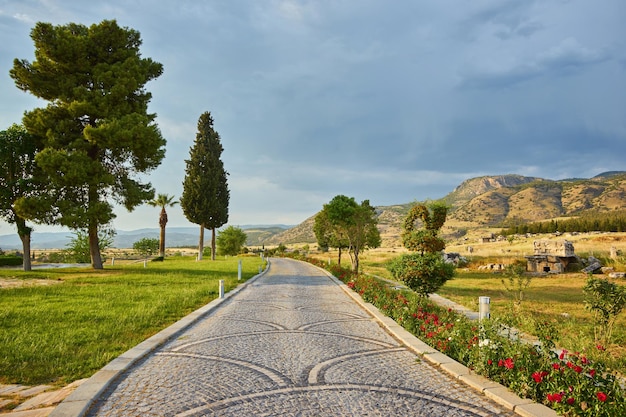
239, 271
483, 308
221, 288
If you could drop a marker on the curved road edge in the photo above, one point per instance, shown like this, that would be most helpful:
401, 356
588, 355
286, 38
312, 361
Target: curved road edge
78, 403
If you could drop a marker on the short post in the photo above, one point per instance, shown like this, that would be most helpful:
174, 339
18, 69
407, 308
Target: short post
260, 269
221, 288
145, 263
483, 308
239, 271
113, 260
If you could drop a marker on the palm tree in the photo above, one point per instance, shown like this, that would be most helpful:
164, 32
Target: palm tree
162, 200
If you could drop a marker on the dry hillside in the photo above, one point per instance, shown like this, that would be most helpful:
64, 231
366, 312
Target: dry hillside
484, 204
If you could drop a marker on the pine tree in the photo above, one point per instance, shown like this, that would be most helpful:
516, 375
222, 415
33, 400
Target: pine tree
205, 194
98, 133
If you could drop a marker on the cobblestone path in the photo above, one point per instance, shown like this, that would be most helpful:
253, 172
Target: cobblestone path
292, 343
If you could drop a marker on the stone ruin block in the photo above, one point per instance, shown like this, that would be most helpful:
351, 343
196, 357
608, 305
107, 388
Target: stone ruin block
562, 248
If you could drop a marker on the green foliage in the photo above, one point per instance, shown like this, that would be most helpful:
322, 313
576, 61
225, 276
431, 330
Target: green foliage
19, 178
328, 236
613, 221
99, 137
146, 246
205, 196
517, 281
10, 260
606, 300
78, 248
423, 273
343, 221
163, 201
570, 383
426, 239
230, 241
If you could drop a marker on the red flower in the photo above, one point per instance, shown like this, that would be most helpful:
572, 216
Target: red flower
508, 363
537, 377
601, 396
556, 366
500, 362
592, 373
571, 401
600, 347
578, 369
555, 398
489, 362
563, 353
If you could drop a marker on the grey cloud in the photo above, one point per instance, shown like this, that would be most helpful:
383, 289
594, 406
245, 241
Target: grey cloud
567, 57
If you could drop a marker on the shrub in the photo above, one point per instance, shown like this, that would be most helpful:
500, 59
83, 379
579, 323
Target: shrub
423, 273
11, 260
606, 300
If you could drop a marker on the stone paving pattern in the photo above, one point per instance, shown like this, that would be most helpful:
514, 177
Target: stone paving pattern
291, 343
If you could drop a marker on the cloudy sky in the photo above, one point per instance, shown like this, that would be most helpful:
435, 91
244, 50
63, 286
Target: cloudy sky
391, 101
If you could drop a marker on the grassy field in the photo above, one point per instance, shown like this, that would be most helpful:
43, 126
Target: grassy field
55, 334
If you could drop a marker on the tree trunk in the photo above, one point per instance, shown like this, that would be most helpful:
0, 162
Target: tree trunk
339, 257
162, 243
162, 224
213, 243
94, 245
24, 233
201, 243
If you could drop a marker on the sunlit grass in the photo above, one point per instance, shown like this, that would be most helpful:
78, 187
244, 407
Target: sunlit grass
67, 331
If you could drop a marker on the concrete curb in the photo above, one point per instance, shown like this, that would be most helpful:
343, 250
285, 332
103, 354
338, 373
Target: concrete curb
493, 390
78, 403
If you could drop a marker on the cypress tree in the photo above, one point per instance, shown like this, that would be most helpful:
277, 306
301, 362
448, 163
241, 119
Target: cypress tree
205, 194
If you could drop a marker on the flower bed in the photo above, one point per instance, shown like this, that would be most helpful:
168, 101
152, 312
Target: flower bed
568, 382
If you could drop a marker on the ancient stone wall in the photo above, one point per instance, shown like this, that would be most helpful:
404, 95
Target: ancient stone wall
563, 248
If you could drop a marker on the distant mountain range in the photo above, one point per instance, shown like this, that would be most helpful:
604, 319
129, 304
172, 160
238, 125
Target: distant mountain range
477, 203
175, 237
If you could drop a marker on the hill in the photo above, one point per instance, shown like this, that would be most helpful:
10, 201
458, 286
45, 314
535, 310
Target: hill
492, 202
477, 206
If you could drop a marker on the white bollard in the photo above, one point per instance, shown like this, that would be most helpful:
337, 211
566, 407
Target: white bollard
113, 261
145, 263
483, 308
239, 271
221, 288
260, 269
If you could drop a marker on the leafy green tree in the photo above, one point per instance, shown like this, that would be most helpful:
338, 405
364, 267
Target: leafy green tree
163, 201
231, 240
146, 246
205, 195
356, 223
19, 178
424, 270
78, 249
329, 236
98, 135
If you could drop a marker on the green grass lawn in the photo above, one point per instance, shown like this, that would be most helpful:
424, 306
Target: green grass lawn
63, 332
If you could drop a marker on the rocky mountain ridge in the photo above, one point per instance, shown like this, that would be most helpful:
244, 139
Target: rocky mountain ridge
496, 201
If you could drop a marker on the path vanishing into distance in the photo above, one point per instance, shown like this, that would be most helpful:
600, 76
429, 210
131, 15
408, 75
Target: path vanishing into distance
291, 342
